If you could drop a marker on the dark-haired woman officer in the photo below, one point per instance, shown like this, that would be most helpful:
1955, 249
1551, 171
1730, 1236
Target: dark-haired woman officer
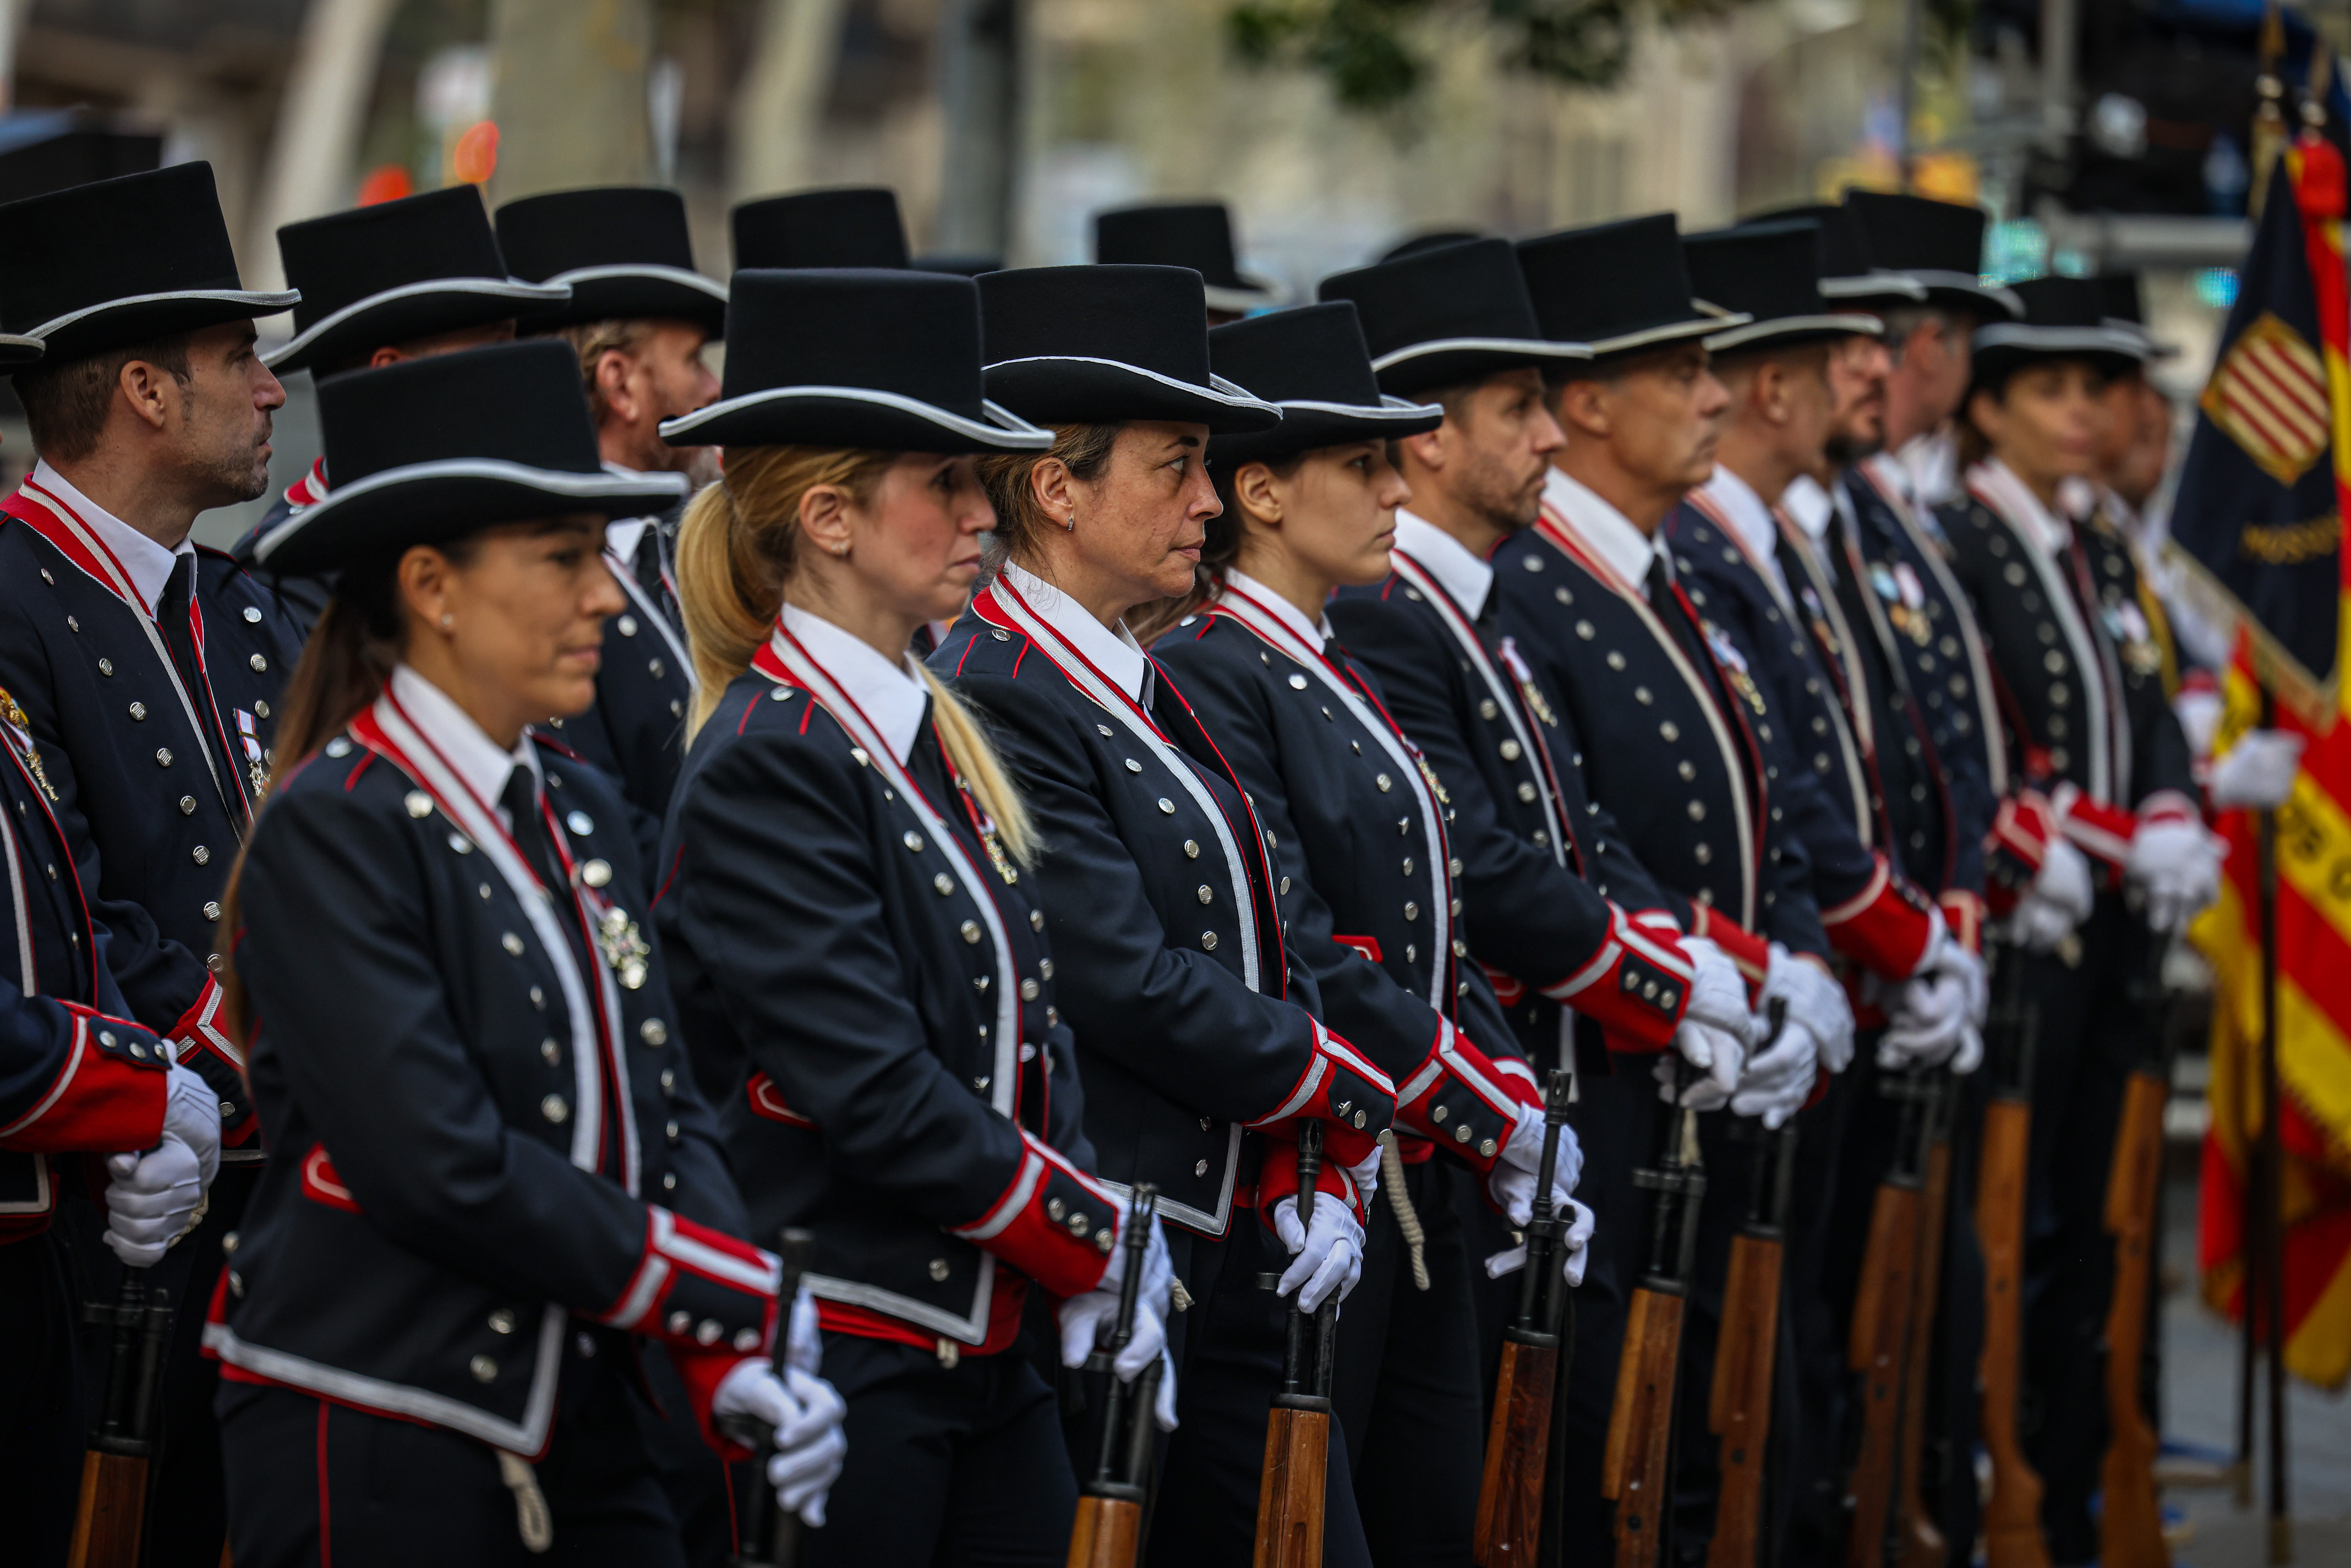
493, 1173
864, 967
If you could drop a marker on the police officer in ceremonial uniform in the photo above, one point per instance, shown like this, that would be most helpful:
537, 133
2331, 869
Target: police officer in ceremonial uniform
1198, 235
1675, 732
639, 317
493, 1172
1355, 820
1199, 1037
867, 982
76, 1078
147, 669
2081, 691
381, 284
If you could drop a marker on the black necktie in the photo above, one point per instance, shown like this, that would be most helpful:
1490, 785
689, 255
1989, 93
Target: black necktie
172, 621
529, 830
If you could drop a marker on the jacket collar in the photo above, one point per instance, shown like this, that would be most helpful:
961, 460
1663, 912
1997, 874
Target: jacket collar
1607, 532
148, 564
1461, 574
892, 696
1314, 634
2047, 531
481, 764
1809, 506
1743, 512
1115, 653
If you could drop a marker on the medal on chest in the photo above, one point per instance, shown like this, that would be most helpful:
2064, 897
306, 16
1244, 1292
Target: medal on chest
1529, 693
20, 730
986, 826
2126, 624
1734, 666
623, 946
1822, 631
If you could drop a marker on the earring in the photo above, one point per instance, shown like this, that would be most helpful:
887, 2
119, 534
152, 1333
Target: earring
1069, 523
841, 549
447, 619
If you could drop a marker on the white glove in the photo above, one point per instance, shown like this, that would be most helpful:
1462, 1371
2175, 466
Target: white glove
2175, 867
2258, 771
152, 1200
1512, 1180
192, 1111
806, 1414
1327, 1257
1780, 1076
1969, 1056
1365, 1174
2058, 900
1086, 1318
1936, 1008
1571, 1249
1814, 999
803, 1341
2199, 715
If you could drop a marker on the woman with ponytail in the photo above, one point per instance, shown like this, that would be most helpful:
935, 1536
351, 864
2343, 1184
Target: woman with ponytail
490, 1174
864, 977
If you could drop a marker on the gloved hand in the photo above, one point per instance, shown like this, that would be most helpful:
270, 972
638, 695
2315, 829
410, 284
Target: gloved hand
2258, 771
1086, 1318
2174, 867
1512, 1180
1572, 1255
191, 1113
1365, 1174
1814, 1000
152, 1200
2058, 900
1936, 1007
1717, 1025
1327, 1257
1969, 1056
804, 1341
1780, 1076
2200, 711
806, 1414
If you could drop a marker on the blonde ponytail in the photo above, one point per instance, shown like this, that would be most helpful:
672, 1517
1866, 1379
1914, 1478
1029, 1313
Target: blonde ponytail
738, 546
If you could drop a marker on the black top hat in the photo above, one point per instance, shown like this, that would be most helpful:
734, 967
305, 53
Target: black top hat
1847, 273
385, 274
856, 226
2064, 318
1937, 244
432, 449
2120, 296
856, 356
1621, 287
1077, 345
1428, 239
961, 265
1198, 235
1311, 363
1769, 273
623, 250
1439, 318
118, 262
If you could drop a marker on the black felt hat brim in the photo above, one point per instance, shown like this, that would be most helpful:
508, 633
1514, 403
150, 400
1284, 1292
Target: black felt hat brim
144, 318
414, 311
1876, 289
635, 291
1452, 362
1959, 291
856, 417
2014, 345
1310, 426
1242, 294
1067, 390
1658, 334
432, 503
1788, 331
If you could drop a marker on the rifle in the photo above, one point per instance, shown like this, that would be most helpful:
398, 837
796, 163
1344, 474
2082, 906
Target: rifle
1518, 1445
1634, 1466
112, 1515
2130, 1524
1108, 1529
767, 1536
2012, 1515
1916, 1543
1885, 1309
1297, 1432
1738, 1410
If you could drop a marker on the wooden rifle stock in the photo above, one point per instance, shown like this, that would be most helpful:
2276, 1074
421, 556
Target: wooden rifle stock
766, 1536
1884, 1309
1918, 1542
1290, 1500
1518, 1445
1635, 1469
2012, 1515
2130, 1523
1739, 1408
1109, 1529
110, 1517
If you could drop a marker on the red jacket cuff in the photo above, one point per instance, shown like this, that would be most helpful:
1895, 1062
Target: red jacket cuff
108, 1096
2101, 832
702, 1371
1963, 914
1276, 1181
1340, 1087
698, 1288
1635, 987
1884, 927
1458, 1101
1751, 953
1052, 1222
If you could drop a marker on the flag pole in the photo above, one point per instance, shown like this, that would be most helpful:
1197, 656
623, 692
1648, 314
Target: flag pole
2267, 1259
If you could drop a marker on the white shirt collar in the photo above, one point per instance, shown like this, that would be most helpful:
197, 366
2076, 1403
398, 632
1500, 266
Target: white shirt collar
1461, 574
149, 563
1115, 653
892, 696
2048, 531
1610, 534
1744, 511
624, 535
1931, 467
1809, 503
1313, 633
480, 763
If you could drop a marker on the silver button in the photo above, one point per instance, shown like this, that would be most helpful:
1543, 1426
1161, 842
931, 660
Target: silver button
707, 1332
939, 1265
162, 757
579, 824
502, 1321
653, 1031
970, 929
1055, 1208
628, 625
1526, 792
1297, 682
338, 747
1191, 850
1486, 1148
258, 663
1206, 893
1698, 810
1208, 941
913, 840
211, 910
252, 616
944, 883
187, 805
1105, 730
1616, 660
555, 1109
1486, 708
483, 1369
418, 802
1036, 920
1133, 765
511, 943
1509, 751
1200, 1169
1001, 635
1384, 782
551, 1051
137, 710
1411, 911
1166, 806
747, 1340
200, 856
679, 1322
1285, 885
1029, 991
1669, 730
596, 872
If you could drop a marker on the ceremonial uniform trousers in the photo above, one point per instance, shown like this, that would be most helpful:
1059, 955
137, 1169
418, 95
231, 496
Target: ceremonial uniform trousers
493, 1174
76, 1082
1196, 1035
2081, 690
867, 988
1681, 769
1831, 786
153, 722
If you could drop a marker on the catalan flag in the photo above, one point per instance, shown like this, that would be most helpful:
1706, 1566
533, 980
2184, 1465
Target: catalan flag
2260, 510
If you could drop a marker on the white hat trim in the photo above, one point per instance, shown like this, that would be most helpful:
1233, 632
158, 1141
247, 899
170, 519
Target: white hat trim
1010, 431
1877, 281
263, 304
558, 482
1219, 389
1396, 408
1533, 348
1967, 282
1719, 321
496, 287
646, 269
2060, 339
1787, 326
